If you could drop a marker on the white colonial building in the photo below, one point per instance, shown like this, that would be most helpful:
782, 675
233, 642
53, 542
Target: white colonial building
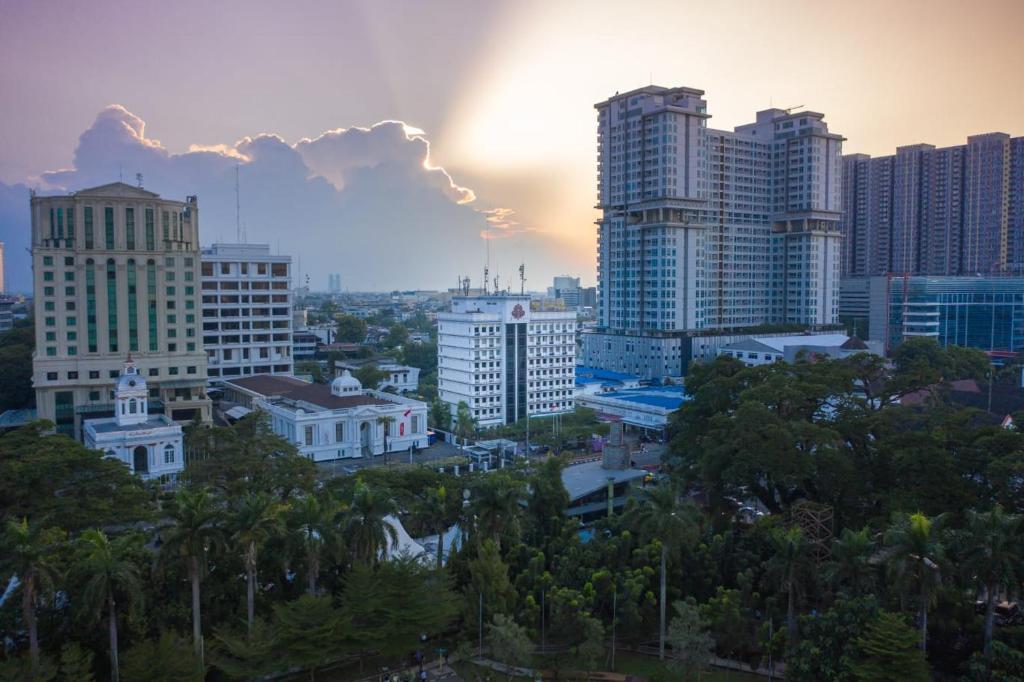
505, 360
149, 444
333, 422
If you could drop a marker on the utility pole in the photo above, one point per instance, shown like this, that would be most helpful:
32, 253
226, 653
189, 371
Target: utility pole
481, 626
615, 604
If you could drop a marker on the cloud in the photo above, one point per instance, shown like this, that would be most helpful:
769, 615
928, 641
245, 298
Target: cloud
363, 202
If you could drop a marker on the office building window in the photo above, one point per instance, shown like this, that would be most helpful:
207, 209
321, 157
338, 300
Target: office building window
129, 228
90, 304
150, 235
64, 415
166, 217
168, 454
151, 301
133, 312
108, 225
88, 228
71, 222
111, 303
309, 435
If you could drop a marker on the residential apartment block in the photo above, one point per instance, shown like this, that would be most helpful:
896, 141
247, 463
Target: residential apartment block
709, 229
115, 273
504, 360
936, 211
247, 310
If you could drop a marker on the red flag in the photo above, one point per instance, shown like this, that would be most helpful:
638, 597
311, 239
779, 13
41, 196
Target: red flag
407, 412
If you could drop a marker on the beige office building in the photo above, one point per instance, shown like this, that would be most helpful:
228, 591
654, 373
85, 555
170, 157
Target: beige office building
116, 273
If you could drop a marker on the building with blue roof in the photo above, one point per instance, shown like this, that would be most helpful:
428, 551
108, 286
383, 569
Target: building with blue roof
590, 380
646, 407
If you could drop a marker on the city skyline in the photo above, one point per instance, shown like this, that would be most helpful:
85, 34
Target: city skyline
461, 85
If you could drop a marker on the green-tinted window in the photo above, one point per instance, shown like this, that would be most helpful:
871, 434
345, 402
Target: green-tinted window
188, 276
190, 304
72, 350
90, 305
172, 319
173, 371
129, 228
51, 321
72, 321
169, 275
167, 226
51, 351
190, 319
49, 306
69, 291
133, 313
150, 231
94, 395
47, 260
188, 262
60, 223
189, 291
108, 225
48, 275
170, 291
190, 346
53, 224
64, 415
88, 228
151, 300
71, 222
47, 291
172, 333
112, 304
69, 260
72, 336
51, 336
69, 276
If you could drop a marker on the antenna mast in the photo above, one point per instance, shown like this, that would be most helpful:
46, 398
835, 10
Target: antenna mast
522, 278
138, 180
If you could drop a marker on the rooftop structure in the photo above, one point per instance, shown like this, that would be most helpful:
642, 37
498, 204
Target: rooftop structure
646, 407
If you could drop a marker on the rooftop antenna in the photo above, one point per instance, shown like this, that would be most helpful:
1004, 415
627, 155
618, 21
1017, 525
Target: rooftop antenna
522, 278
497, 290
486, 273
790, 110
120, 173
238, 209
138, 180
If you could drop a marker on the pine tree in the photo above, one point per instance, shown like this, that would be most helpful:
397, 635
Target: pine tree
889, 651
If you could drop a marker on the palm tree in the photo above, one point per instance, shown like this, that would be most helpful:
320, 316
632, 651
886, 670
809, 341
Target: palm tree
110, 570
788, 566
663, 519
29, 553
312, 522
851, 564
995, 557
915, 554
496, 506
386, 420
194, 534
435, 509
367, 534
255, 519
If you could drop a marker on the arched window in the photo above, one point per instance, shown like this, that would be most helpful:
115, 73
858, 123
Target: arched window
133, 406
168, 454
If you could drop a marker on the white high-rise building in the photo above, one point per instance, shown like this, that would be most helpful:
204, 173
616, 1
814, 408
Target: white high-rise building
247, 310
504, 360
705, 229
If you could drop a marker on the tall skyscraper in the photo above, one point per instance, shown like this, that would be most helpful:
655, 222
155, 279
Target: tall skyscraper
926, 211
115, 274
247, 310
709, 229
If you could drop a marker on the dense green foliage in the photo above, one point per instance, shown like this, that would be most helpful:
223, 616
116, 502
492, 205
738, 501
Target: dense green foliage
809, 516
16, 346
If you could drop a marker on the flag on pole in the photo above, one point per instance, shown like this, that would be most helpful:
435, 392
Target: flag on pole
407, 412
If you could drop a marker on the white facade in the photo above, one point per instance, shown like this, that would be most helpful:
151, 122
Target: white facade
336, 422
401, 378
713, 229
247, 310
149, 445
764, 350
504, 360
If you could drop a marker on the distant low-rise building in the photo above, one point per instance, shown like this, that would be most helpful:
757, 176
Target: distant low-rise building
593, 380
400, 378
647, 407
339, 421
764, 350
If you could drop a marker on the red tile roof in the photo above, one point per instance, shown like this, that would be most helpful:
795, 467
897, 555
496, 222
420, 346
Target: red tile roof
296, 389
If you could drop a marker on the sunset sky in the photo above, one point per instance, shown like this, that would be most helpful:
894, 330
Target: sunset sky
502, 92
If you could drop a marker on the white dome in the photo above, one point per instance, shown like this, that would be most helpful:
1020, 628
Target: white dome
346, 384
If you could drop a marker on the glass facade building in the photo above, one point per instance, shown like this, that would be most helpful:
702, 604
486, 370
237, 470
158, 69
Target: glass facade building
980, 312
